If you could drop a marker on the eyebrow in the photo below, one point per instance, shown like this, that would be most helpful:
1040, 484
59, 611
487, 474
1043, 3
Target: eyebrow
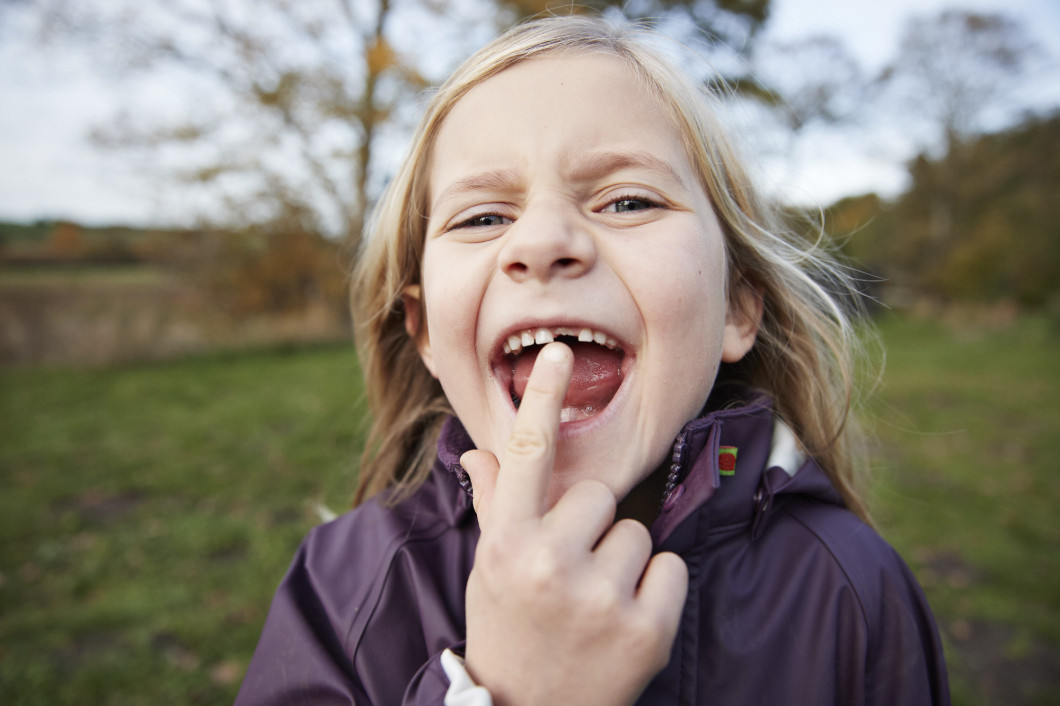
496, 180
586, 169
595, 166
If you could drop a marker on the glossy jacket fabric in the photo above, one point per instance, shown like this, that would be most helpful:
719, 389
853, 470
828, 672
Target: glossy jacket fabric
792, 599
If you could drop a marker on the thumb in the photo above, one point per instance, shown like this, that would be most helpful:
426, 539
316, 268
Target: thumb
482, 467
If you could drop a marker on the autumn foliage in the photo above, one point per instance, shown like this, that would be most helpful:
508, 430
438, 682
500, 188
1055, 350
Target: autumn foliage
279, 267
978, 224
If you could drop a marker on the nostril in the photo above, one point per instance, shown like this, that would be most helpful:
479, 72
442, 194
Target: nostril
566, 262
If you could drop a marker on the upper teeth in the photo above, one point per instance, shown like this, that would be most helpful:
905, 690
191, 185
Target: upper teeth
540, 336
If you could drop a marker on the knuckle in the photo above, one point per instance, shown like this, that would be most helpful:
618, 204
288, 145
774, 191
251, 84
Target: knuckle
526, 443
642, 630
543, 570
489, 552
605, 600
597, 492
677, 569
646, 638
635, 533
535, 388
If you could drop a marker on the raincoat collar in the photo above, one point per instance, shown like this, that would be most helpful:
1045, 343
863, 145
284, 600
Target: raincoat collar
719, 457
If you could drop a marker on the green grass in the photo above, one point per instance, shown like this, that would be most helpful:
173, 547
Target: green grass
148, 512
966, 489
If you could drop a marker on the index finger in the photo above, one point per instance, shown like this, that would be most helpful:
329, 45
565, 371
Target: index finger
526, 463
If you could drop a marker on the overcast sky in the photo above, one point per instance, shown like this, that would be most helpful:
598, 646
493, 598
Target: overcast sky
48, 106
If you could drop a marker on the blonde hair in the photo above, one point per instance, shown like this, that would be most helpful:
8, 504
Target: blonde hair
806, 347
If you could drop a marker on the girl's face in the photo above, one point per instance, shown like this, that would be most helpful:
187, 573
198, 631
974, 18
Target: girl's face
563, 204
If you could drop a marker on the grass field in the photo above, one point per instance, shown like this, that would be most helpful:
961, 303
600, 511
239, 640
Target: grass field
148, 512
967, 489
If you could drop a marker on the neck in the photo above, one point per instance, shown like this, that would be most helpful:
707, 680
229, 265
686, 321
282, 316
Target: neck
642, 503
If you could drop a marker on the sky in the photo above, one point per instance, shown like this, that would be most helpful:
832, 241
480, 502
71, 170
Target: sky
829, 166
49, 105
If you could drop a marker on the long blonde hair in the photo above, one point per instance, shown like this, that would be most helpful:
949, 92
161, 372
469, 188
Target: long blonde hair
806, 349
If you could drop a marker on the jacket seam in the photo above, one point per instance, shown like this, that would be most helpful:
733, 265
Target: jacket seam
427, 534
731, 528
840, 564
869, 639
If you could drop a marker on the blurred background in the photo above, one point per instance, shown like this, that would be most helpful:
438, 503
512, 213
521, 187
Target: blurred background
183, 185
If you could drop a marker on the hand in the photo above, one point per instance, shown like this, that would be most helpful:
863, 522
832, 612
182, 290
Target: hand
564, 605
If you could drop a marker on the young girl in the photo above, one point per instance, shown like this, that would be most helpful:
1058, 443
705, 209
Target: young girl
609, 461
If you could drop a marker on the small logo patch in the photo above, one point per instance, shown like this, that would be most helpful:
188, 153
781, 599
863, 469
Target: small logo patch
727, 460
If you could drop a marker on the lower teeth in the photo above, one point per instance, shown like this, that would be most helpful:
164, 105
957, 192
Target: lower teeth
567, 414
573, 414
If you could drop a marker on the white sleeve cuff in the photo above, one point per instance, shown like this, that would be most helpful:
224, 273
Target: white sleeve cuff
462, 690
786, 452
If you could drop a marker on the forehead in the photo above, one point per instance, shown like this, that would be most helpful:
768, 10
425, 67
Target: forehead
565, 107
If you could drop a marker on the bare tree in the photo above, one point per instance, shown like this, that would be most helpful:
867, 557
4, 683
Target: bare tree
284, 101
951, 71
812, 81
954, 68
291, 105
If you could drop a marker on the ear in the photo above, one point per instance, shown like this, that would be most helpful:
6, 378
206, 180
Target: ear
416, 324
741, 322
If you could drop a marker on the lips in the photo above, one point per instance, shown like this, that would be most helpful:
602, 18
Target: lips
596, 377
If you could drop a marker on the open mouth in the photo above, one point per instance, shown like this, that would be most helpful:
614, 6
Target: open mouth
597, 374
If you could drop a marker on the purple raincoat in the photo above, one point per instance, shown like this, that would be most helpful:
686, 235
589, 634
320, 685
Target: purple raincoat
792, 599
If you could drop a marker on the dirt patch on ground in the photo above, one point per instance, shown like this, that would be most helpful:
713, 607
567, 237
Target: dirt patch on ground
1001, 664
100, 321
100, 509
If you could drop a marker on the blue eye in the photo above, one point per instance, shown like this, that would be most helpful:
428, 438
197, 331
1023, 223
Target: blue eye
485, 220
631, 205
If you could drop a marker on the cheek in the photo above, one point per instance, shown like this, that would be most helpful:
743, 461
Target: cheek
684, 295
452, 298
446, 288
450, 327
685, 310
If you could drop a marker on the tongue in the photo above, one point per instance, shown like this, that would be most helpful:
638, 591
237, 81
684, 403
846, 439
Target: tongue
596, 377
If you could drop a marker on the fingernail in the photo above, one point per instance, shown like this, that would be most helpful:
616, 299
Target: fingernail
553, 353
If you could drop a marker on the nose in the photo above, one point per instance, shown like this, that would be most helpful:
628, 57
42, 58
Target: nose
547, 242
